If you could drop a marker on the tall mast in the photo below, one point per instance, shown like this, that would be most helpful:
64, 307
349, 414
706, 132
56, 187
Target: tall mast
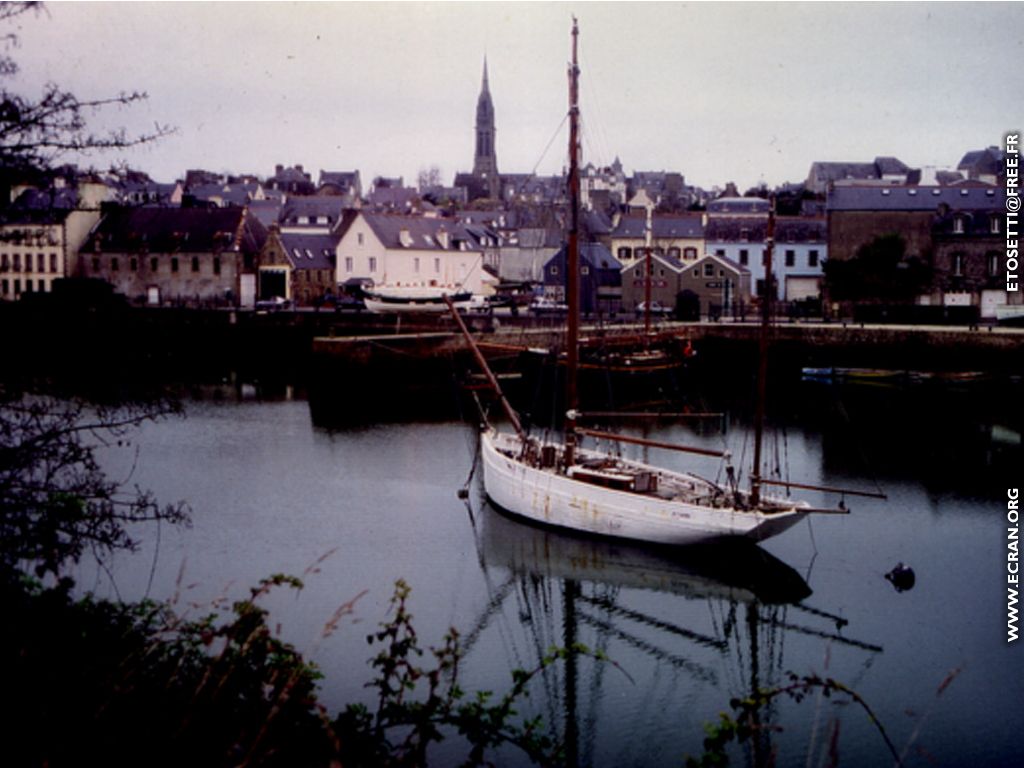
572, 277
762, 354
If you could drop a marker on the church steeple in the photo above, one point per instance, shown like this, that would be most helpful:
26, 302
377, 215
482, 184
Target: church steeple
485, 160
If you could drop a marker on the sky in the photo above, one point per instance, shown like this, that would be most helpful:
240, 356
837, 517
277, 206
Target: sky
740, 92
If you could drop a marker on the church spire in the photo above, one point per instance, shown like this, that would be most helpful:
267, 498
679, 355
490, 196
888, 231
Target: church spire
485, 160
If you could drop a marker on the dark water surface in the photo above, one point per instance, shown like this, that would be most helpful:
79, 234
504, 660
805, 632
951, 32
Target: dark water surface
273, 492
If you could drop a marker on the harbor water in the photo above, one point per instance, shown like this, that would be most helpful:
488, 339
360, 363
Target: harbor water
352, 509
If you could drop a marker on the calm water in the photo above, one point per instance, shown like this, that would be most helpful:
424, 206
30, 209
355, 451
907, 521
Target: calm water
273, 492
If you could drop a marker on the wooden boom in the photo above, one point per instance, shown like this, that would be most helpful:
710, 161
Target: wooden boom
644, 441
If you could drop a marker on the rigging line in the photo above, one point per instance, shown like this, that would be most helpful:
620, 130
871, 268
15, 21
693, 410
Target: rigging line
554, 136
591, 94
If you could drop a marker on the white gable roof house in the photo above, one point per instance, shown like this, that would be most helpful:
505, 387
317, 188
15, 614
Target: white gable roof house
410, 251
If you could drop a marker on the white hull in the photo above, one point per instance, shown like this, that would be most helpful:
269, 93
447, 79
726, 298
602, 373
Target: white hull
551, 497
422, 300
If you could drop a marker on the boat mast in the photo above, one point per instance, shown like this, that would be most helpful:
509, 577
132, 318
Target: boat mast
572, 277
762, 355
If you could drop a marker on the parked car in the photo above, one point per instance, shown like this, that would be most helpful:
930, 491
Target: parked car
543, 305
657, 309
273, 304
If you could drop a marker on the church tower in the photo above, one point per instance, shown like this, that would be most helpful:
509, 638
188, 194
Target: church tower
485, 160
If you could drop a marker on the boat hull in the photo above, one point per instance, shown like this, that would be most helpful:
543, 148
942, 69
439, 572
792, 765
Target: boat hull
411, 301
552, 498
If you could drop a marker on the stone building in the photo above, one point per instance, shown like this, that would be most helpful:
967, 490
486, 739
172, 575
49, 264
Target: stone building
185, 256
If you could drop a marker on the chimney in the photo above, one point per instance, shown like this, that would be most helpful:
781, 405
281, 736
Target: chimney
278, 169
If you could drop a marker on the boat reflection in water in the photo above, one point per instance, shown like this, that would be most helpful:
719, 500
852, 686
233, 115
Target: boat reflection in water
687, 628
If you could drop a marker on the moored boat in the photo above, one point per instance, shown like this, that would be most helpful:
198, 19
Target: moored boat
391, 299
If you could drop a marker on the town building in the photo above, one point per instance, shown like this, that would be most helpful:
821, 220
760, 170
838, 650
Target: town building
42, 232
181, 256
881, 171
406, 251
716, 285
954, 230
297, 266
600, 279
800, 253
679, 237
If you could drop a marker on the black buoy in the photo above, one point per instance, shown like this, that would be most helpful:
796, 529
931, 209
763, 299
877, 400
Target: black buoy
901, 577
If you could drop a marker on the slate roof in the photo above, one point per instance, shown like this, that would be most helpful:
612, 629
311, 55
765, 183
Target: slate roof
342, 179
309, 251
329, 206
233, 194
730, 229
988, 160
747, 205
669, 261
265, 211
423, 231
915, 198
725, 262
662, 227
167, 230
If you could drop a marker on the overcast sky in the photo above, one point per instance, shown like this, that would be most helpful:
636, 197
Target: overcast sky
718, 91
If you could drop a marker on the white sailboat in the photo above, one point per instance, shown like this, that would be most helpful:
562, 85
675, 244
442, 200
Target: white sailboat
564, 485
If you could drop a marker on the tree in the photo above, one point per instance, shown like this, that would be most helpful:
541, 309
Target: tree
880, 271
56, 502
35, 131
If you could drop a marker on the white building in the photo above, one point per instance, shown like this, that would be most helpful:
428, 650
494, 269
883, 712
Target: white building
406, 251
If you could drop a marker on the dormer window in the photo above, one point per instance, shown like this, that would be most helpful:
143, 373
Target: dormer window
958, 225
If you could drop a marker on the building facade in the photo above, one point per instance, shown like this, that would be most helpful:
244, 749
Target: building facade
177, 256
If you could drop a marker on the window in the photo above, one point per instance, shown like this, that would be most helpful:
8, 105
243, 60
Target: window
584, 270
359, 238
993, 264
373, 263
696, 273
4, 287
16, 262
790, 258
958, 225
133, 264
744, 257
812, 258
709, 270
554, 269
416, 264
114, 266
437, 266
17, 287
4, 266
993, 225
53, 262
41, 262
690, 253
625, 254
216, 265
154, 264
673, 252
195, 263
28, 262
348, 264
720, 252
958, 264
95, 265
174, 263
745, 235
